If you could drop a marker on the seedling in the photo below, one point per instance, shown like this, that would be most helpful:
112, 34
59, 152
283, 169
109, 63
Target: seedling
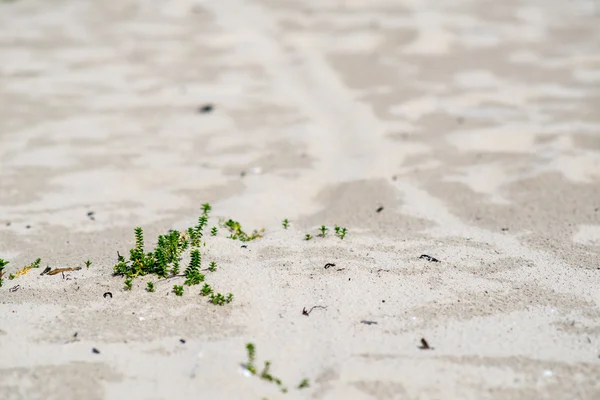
202, 222
2, 265
251, 350
219, 300
178, 289
192, 272
212, 266
304, 384
206, 208
194, 237
307, 237
11, 277
251, 367
323, 230
128, 283
88, 263
214, 231
206, 290
237, 233
285, 223
36, 263
341, 232
150, 287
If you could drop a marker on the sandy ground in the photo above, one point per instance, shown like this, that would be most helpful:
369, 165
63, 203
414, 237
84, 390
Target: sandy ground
474, 124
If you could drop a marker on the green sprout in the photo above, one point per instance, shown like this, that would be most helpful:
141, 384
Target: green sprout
178, 289
150, 287
219, 300
214, 231
202, 222
206, 208
2, 265
128, 284
237, 233
285, 223
304, 384
341, 232
323, 230
11, 277
192, 272
194, 237
307, 237
88, 263
206, 290
250, 366
212, 266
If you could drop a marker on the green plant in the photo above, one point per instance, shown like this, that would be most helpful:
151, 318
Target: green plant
2, 265
194, 237
11, 277
88, 263
285, 223
36, 263
206, 208
341, 232
237, 233
178, 289
323, 230
192, 272
250, 365
128, 283
214, 231
212, 267
304, 384
251, 351
150, 287
206, 290
307, 237
202, 222
270, 378
219, 300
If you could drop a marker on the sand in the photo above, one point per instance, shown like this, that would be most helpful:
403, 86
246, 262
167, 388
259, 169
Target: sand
474, 124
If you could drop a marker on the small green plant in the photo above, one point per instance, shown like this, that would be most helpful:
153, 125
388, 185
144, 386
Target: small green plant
304, 384
214, 231
341, 232
307, 236
323, 229
206, 290
178, 289
212, 267
150, 287
2, 265
11, 277
206, 208
128, 283
219, 300
88, 263
250, 364
202, 222
192, 272
237, 233
285, 223
194, 237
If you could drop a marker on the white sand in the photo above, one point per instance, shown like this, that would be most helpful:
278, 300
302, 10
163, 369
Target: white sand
474, 124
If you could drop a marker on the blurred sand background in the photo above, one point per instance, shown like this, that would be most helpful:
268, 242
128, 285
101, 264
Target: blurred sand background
474, 124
